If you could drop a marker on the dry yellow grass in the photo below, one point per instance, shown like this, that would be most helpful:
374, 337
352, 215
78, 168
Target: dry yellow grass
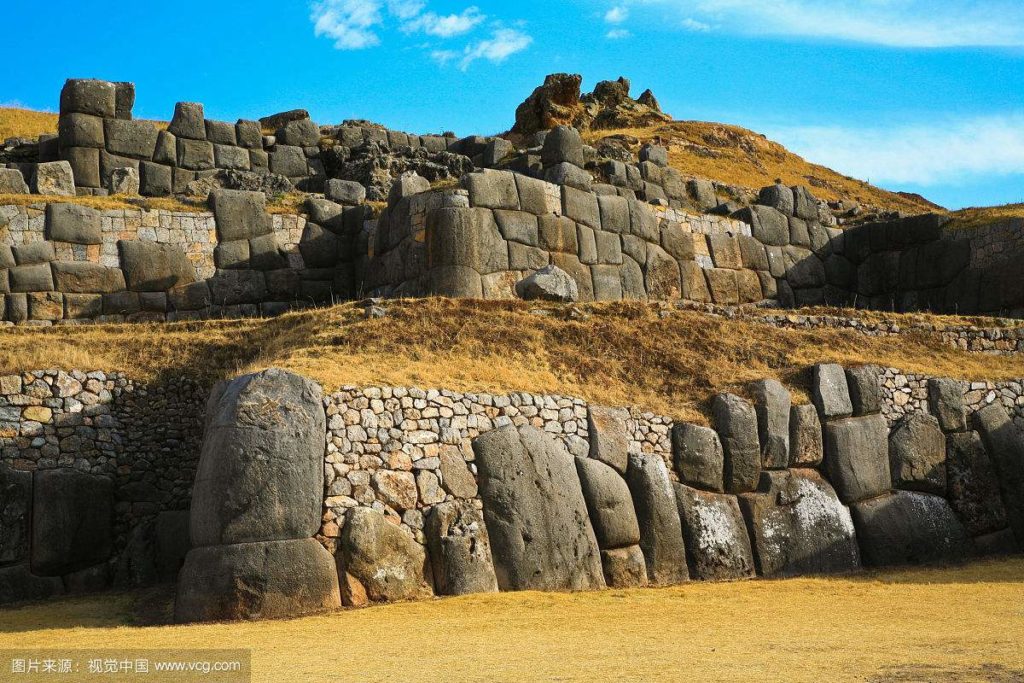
26, 123
619, 354
954, 624
737, 156
977, 216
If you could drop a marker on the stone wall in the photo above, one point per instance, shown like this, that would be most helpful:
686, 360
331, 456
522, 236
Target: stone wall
72, 263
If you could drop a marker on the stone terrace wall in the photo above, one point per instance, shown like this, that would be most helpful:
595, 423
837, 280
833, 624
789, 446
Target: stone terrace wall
72, 263
478, 242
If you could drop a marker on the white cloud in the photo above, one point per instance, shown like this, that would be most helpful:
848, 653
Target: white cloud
443, 57
446, 26
503, 43
943, 152
349, 23
897, 23
617, 34
692, 24
616, 15
405, 9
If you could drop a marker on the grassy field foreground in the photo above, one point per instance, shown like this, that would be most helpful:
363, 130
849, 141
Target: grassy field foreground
649, 355
938, 624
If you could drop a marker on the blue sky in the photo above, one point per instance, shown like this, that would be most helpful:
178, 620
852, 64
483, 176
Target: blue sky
918, 95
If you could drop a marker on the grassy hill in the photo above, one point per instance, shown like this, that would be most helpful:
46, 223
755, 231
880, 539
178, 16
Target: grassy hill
737, 156
25, 123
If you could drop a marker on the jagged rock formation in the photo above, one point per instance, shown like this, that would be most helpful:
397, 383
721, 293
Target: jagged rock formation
559, 102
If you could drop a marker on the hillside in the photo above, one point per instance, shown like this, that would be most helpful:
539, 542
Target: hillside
25, 123
736, 156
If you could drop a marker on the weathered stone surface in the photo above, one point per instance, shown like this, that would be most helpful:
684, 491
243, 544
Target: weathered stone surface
857, 457
72, 519
240, 215
550, 283
946, 400
188, 121
973, 484
608, 429
80, 130
124, 181
736, 423
380, 562
265, 580
624, 567
830, 391
455, 475
301, 133
31, 278
15, 515
73, 223
661, 275
717, 543
805, 440
661, 533
54, 178
465, 237
536, 516
82, 277
397, 489
12, 182
1000, 542
562, 143
798, 526
136, 139
722, 286
195, 155
347, 192
917, 454
19, 584
260, 473
492, 189
33, 252
1005, 446
698, 456
908, 527
154, 267
779, 197
772, 404
460, 551
865, 390
88, 96
609, 504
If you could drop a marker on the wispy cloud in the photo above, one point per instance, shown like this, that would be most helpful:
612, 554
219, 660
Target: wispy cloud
943, 152
616, 15
349, 23
897, 23
503, 43
355, 25
446, 26
617, 34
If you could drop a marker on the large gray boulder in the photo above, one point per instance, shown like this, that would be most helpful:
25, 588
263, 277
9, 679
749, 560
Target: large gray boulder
88, 96
917, 454
624, 567
946, 400
830, 391
716, 536
260, 473
661, 532
609, 503
798, 526
541, 536
736, 423
153, 267
805, 441
857, 457
550, 283
772, 403
347, 192
240, 215
379, 561
563, 144
12, 182
973, 486
15, 514
908, 527
19, 584
266, 580
609, 436
54, 178
698, 456
865, 390
73, 223
1005, 445
72, 521
460, 550
188, 121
